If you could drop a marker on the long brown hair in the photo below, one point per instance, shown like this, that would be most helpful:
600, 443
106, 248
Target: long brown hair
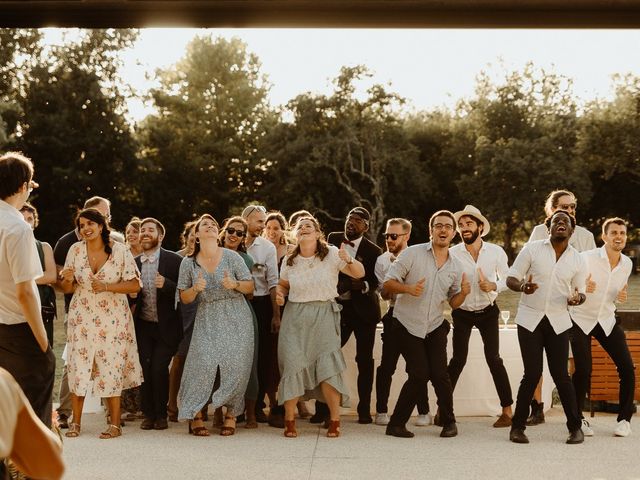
278, 217
223, 233
96, 217
322, 247
206, 216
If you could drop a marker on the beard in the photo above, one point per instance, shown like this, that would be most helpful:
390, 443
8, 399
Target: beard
472, 238
149, 244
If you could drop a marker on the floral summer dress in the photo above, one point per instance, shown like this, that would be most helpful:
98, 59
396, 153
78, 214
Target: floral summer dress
101, 341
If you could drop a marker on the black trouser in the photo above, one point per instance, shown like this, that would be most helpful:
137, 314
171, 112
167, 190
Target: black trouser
388, 362
426, 360
267, 366
155, 356
486, 321
616, 346
532, 344
33, 369
365, 332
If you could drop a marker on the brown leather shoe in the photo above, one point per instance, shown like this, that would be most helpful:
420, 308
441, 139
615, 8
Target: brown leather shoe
503, 421
147, 424
160, 424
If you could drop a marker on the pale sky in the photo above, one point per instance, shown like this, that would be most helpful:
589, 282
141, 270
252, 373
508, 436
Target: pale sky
430, 68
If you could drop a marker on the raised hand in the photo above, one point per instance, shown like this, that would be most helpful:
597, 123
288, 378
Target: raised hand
67, 274
484, 284
417, 288
201, 283
622, 295
344, 255
591, 285
159, 281
529, 286
465, 285
228, 282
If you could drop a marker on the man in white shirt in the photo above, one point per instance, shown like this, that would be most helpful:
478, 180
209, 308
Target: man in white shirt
551, 275
24, 348
608, 273
396, 238
265, 277
424, 277
485, 265
582, 240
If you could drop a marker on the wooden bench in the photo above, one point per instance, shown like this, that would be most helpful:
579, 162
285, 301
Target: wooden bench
605, 383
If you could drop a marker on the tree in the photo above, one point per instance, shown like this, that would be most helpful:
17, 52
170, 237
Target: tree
339, 151
212, 110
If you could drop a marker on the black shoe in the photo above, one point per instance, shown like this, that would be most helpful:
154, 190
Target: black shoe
147, 424
449, 430
537, 413
160, 424
63, 421
437, 421
318, 418
260, 416
517, 436
365, 419
276, 420
241, 418
400, 432
575, 437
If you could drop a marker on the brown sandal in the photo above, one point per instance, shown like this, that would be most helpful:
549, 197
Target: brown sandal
74, 430
334, 429
290, 429
112, 431
200, 430
228, 430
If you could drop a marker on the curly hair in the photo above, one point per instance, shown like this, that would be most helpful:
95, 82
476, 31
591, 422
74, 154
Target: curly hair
322, 247
95, 216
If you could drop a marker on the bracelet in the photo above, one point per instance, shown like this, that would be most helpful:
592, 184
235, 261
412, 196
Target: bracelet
522, 284
106, 286
237, 285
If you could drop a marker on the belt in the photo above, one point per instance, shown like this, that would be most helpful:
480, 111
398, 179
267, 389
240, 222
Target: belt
480, 312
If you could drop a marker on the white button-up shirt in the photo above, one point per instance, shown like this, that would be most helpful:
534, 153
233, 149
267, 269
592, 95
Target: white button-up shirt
265, 267
422, 315
599, 306
557, 281
383, 263
492, 260
19, 262
581, 239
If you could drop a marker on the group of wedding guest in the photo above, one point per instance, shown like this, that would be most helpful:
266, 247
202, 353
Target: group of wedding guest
260, 308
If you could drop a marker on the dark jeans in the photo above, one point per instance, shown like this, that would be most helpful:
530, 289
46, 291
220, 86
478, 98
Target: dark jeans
426, 360
487, 324
365, 332
155, 356
388, 362
616, 346
33, 369
267, 366
532, 344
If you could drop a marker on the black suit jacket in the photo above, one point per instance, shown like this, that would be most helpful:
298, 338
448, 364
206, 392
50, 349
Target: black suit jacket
169, 322
366, 305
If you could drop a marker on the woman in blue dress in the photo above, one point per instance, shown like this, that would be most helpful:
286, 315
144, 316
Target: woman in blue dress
221, 349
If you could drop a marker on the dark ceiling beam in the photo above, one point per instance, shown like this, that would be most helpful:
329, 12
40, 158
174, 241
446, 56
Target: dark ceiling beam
327, 13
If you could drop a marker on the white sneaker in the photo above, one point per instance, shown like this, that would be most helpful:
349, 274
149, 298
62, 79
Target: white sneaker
586, 429
623, 428
382, 419
424, 420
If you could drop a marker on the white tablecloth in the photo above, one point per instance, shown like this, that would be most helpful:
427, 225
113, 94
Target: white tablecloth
475, 393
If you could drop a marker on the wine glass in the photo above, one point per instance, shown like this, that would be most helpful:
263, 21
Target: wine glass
505, 315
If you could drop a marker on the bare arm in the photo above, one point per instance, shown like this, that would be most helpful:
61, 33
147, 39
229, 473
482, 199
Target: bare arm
50, 272
29, 305
354, 270
123, 286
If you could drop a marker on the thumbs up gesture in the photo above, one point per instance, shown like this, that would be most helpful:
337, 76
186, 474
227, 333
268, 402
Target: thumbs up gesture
159, 280
484, 284
228, 282
622, 296
201, 283
591, 285
529, 286
417, 288
344, 255
465, 285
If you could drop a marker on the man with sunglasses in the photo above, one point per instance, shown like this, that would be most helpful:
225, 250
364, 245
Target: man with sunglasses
360, 307
485, 265
396, 238
265, 277
582, 240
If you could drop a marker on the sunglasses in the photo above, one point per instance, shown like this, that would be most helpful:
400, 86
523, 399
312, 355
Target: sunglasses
393, 236
237, 233
252, 208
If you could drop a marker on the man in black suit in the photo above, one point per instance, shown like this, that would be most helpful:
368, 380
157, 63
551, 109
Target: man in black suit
360, 306
158, 324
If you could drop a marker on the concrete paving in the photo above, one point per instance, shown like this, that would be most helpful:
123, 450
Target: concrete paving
362, 452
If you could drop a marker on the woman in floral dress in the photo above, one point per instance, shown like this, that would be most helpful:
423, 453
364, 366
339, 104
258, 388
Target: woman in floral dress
102, 355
